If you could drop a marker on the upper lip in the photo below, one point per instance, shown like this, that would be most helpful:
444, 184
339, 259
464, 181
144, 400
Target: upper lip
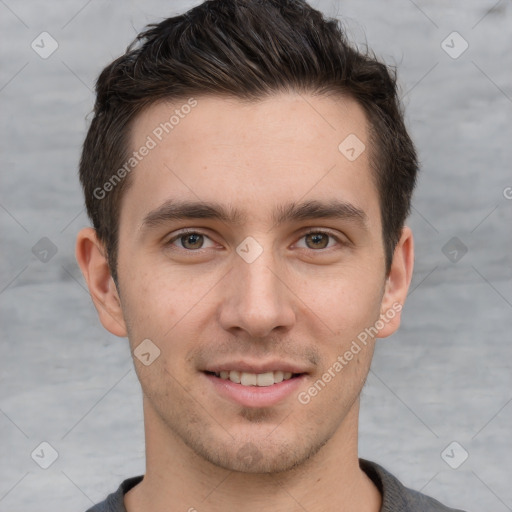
245, 366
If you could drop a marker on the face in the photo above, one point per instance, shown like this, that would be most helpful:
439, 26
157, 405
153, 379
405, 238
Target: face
250, 248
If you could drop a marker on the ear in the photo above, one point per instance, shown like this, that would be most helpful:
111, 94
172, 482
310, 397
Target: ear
90, 255
397, 284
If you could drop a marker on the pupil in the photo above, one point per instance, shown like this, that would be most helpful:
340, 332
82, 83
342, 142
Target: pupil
193, 239
318, 237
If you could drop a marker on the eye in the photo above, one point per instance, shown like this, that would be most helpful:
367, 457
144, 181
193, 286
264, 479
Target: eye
190, 240
317, 239
194, 240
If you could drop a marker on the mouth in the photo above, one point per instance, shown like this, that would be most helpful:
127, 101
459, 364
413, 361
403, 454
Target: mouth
255, 379
254, 390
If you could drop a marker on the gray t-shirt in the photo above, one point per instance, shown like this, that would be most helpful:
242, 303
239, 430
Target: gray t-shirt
395, 497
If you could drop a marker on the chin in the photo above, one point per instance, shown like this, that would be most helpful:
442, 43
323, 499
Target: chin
262, 456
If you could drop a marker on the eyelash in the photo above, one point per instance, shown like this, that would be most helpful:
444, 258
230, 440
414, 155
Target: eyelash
196, 232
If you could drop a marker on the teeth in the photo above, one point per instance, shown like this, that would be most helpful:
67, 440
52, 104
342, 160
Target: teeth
248, 379
279, 376
265, 379
233, 376
253, 379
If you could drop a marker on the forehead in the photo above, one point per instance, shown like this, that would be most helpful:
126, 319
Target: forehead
252, 156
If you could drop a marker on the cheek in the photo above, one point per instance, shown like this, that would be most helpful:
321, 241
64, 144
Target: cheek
350, 313
346, 302
168, 308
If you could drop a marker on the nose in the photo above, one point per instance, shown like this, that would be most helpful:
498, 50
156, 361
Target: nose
256, 298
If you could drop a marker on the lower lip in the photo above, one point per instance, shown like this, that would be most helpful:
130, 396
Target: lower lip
255, 396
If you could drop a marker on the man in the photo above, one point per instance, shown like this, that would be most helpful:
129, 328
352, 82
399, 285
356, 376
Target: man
248, 175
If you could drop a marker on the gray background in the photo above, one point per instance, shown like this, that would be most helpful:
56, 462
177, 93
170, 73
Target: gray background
444, 377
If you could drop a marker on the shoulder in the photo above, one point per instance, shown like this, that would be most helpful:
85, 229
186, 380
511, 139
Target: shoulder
398, 498
115, 502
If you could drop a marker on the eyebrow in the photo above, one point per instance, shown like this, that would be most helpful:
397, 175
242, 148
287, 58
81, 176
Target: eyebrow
309, 210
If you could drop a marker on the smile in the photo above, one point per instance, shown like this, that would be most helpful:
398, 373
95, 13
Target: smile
254, 379
255, 389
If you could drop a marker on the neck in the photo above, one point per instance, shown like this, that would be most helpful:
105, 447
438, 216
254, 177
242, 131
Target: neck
177, 477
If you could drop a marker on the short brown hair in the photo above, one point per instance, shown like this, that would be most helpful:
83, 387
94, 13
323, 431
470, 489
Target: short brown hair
245, 49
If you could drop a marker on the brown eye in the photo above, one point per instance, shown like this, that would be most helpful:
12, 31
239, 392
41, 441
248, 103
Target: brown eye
192, 241
317, 240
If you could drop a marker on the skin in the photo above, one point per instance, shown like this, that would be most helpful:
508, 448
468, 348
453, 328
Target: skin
296, 302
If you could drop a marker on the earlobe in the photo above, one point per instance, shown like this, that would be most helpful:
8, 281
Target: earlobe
93, 263
397, 283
